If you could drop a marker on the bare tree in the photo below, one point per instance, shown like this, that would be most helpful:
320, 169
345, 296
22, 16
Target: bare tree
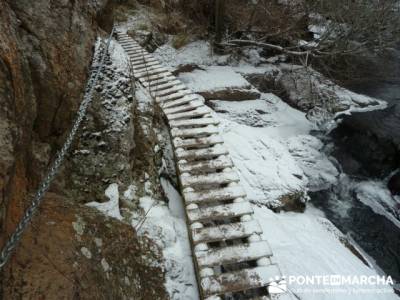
339, 28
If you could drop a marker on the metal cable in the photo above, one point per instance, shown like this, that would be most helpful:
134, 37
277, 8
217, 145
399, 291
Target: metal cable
53, 170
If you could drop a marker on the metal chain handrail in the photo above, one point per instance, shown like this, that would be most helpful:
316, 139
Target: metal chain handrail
53, 170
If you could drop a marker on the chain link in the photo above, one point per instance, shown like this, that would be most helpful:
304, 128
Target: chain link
60, 156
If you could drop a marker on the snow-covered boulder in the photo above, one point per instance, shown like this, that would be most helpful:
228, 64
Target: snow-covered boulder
219, 83
306, 88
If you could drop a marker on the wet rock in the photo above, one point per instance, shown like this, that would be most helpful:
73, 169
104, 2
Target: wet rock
369, 143
394, 184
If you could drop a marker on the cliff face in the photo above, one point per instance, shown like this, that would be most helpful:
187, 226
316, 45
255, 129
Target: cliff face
45, 51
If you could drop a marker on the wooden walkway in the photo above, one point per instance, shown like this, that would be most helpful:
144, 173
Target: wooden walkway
229, 254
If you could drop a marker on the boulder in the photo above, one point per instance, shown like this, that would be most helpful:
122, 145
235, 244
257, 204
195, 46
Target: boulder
220, 83
74, 252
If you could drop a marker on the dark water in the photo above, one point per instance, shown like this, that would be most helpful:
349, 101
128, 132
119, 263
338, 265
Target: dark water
367, 146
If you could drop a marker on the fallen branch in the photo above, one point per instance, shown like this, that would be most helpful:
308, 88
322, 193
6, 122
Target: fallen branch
270, 46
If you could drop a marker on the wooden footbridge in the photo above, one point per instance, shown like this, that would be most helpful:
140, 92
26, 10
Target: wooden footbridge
231, 259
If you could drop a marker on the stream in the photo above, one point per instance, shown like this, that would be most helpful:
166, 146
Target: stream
366, 148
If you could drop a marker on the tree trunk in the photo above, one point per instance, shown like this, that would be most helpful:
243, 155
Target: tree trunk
219, 20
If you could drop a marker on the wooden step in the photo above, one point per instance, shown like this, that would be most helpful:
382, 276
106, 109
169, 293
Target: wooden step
212, 178
233, 254
137, 54
125, 37
129, 42
151, 78
197, 142
155, 64
220, 194
174, 96
180, 101
146, 67
171, 90
144, 62
194, 122
219, 212
233, 231
198, 112
126, 42
157, 81
150, 72
141, 58
205, 153
221, 162
132, 48
185, 107
240, 281
195, 132
167, 85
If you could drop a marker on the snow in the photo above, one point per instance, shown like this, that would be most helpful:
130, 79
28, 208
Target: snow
306, 244
376, 195
198, 52
111, 207
320, 171
274, 154
166, 226
270, 145
276, 117
266, 168
214, 78
118, 55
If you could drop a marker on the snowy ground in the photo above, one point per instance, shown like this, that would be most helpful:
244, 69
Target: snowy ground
274, 154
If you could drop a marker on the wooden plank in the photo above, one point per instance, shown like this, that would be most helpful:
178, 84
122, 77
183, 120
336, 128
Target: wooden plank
194, 132
197, 142
146, 61
163, 76
155, 64
219, 212
196, 154
220, 194
212, 178
198, 112
132, 48
157, 81
150, 72
233, 254
185, 107
177, 102
219, 163
240, 281
194, 122
233, 231
173, 96
141, 58
167, 85
171, 90
146, 67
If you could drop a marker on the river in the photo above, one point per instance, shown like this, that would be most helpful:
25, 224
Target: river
366, 147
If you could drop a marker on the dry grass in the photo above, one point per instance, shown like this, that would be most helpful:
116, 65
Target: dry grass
180, 40
124, 9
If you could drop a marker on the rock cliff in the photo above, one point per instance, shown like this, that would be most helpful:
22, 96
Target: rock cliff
46, 49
